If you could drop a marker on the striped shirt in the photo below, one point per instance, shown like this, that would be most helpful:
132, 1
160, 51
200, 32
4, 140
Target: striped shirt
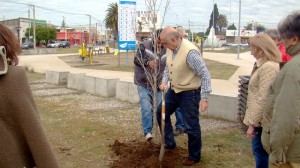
196, 63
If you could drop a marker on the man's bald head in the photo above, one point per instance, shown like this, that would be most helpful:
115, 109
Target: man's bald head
168, 33
170, 37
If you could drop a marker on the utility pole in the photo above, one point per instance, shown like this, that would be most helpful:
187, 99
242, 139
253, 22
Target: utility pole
90, 28
96, 31
239, 31
190, 26
101, 33
213, 27
191, 31
29, 24
176, 20
33, 25
64, 20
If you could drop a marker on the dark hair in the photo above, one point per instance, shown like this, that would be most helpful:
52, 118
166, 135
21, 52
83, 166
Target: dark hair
290, 25
11, 44
157, 34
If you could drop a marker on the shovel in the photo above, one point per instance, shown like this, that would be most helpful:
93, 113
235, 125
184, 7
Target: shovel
162, 127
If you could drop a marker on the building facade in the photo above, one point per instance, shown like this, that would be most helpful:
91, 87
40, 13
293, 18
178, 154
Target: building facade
20, 25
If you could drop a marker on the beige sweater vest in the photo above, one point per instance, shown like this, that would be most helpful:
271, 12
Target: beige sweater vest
182, 77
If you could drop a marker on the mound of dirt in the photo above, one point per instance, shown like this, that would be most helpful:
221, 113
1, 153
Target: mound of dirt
145, 155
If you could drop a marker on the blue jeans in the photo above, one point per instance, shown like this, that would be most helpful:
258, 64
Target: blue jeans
188, 102
146, 104
179, 120
260, 155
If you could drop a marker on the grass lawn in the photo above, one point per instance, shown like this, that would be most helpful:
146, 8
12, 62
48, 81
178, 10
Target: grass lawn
112, 62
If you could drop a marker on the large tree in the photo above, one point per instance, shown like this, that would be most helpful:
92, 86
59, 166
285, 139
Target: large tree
222, 22
63, 23
231, 27
111, 18
260, 28
213, 19
249, 26
253, 26
43, 33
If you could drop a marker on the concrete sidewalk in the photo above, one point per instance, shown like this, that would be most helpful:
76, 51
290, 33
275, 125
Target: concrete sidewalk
244, 62
41, 63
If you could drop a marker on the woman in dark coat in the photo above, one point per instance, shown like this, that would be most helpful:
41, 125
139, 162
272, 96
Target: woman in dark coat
23, 142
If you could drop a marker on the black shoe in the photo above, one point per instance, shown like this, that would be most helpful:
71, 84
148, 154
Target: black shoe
178, 132
170, 146
189, 162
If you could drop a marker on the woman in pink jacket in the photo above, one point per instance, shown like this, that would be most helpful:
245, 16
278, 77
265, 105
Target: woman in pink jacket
266, 67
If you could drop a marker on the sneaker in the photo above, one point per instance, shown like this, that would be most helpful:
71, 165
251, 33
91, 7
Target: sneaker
178, 132
149, 136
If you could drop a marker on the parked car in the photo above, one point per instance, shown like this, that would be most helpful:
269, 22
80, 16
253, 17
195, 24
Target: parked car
233, 44
64, 44
27, 45
244, 44
225, 44
53, 44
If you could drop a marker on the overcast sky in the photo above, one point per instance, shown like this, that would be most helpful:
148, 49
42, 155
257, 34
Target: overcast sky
265, 12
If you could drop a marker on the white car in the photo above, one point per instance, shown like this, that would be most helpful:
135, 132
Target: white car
54, 44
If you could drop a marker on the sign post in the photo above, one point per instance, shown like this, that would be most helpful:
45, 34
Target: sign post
127, 26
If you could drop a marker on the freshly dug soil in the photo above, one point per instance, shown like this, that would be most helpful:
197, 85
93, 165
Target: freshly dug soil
137, 154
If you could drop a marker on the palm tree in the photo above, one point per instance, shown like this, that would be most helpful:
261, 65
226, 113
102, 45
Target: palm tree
111, 19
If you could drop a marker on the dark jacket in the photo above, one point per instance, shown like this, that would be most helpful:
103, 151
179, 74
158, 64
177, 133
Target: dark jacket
143, 74
281, 121
23, 142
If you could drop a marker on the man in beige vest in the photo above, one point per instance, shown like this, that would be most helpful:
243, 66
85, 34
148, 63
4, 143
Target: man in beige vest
190, 85
179, 126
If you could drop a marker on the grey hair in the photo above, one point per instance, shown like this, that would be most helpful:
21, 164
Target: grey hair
181, 31
290, 25
274, 34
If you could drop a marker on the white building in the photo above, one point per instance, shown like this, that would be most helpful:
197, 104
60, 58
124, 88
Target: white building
146, 21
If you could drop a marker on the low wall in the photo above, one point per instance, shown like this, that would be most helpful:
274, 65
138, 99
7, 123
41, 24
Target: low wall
76, 81
127, 91
220, 106
39, 51
57, 77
